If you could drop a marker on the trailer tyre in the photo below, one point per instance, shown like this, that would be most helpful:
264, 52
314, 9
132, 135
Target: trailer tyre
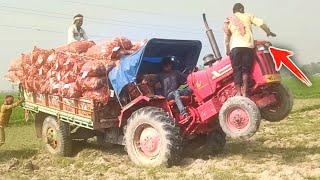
282, 108
152, 138
239, 117
56, 136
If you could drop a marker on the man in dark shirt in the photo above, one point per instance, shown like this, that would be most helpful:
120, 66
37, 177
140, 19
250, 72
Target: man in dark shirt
169, 82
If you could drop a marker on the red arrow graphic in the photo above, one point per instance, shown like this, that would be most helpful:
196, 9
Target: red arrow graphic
282, 57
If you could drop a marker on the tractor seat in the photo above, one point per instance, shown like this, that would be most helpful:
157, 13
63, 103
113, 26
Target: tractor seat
184, 99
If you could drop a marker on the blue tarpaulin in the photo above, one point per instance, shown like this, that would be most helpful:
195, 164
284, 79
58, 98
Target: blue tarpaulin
148, 59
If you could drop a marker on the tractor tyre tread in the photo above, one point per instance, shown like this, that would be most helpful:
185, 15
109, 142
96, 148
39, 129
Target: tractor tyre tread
284, 111
66, 141
63, 133
169, 130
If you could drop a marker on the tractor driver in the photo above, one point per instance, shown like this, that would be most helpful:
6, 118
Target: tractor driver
239, 44
168, 83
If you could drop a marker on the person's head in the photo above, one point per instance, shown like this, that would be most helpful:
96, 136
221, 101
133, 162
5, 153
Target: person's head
167, 64
8, 100
78, 20
208, 60
238, 7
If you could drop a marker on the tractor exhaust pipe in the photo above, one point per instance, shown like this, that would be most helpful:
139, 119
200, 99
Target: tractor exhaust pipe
212, 39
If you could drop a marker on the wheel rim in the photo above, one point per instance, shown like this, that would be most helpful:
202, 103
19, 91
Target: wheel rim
147, 141
237, 119
52, 138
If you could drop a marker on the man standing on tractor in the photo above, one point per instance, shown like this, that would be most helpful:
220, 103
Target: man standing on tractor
5, 113
76, 32
169, 82
239, 44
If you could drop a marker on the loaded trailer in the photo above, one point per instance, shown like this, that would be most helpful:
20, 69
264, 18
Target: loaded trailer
59, 120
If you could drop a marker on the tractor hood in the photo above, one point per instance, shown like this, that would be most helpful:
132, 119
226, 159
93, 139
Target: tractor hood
147, 60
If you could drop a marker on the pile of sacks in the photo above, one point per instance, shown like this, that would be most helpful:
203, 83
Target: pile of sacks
76, 70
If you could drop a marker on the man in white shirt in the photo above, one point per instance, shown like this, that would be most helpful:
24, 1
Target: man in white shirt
75, 32
239, 43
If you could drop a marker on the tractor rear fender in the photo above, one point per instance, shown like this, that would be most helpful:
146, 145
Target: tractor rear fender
142, 101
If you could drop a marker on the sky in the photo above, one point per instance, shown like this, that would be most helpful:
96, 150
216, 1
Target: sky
43, 23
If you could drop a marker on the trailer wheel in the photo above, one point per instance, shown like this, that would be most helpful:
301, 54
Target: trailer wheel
152, 138
56, 136
282, 108
239, 117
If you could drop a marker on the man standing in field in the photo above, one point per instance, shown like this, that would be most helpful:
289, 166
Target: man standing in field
239, 44
76, 32
5, 113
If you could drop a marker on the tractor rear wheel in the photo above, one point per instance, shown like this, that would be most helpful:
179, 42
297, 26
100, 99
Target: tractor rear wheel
282, 108
56, 136
239, 117
152, 138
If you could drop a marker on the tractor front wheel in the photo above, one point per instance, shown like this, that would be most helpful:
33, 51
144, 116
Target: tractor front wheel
56, 136
152, 138
239, 117
282, 107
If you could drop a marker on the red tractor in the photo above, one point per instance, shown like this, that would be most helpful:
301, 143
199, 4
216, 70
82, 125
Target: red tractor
151, 127
154, 130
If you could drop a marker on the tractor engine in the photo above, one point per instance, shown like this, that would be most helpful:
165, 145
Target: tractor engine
214, 85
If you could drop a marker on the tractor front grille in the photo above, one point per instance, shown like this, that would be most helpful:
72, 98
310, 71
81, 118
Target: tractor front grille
266, 63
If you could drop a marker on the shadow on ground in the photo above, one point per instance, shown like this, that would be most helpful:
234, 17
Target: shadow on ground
6, 155
79, 146
255, 150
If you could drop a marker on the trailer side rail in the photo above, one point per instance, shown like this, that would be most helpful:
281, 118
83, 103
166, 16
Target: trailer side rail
61, 115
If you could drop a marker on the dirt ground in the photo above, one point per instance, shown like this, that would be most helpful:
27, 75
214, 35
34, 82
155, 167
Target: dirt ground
289, 149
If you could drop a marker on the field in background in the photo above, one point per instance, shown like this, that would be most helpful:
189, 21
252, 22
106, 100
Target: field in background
20, 137
288, 149
301, 91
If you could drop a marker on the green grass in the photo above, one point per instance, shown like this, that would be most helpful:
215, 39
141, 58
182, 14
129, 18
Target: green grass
17, 117
21, 141
301, 91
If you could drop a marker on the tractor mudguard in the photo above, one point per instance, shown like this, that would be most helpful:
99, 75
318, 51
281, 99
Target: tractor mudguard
142, 101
